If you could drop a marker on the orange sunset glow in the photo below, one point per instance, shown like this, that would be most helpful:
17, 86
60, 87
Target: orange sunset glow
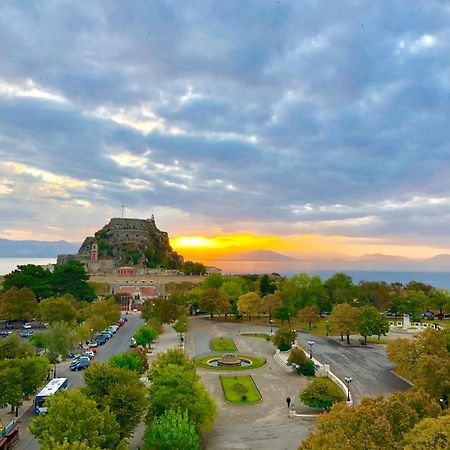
214, 247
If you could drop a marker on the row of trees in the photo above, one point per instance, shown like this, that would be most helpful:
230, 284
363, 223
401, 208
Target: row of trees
21, 372
407, 420
70, 278
283, 298
415, 419
102, 415
180, 407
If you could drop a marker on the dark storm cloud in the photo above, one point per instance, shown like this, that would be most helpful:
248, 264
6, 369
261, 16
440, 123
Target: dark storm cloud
256, 109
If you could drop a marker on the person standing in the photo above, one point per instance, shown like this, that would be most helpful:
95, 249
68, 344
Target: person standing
288, 402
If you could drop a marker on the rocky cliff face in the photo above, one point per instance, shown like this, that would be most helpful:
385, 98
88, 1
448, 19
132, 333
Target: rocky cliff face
132, 242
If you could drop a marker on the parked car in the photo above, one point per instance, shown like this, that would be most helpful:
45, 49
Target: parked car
27, 325
124, 318
428, 315
93, 344
101, 340
89, 353
71, 356
121, 322
80, 365
133, 343
5, 333
26, 333
79, 358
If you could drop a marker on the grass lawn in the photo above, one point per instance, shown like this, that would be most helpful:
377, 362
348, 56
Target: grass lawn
240, 390
375, 340
258, 335
319, 328
223, 345
203, 363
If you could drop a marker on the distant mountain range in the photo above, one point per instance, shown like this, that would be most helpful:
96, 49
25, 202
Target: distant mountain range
36, 249
257, 255
301, 261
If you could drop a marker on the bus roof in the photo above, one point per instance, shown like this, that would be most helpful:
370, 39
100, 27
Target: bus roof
52, 387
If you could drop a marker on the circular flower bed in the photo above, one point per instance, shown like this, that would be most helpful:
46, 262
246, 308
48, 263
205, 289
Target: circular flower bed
254, 363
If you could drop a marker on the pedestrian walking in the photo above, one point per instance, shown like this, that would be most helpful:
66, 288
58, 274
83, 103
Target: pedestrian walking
288, 401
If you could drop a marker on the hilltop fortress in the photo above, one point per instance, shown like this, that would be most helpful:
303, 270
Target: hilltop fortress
127, 247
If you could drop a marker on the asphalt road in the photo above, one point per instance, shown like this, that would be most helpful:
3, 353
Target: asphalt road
368, 367
119, 343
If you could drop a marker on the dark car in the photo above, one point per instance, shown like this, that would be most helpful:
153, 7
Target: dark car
80, 365
101, 340
4, 333
26, 333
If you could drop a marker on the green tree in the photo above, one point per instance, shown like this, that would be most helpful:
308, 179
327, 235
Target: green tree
174, 387
34, 371
107, 311
38, 340
440, 299
266, 286
432, 373
322, 393
10, 387
145, 335
340, 288
84, 423
59, 341
11, 347
32, 277
161, 310
18, 304
305, 366
172, 357
58, 309
72, 278
344, 320
180, 326
233, 289
214, 280
130, 361
430, 433
309, 314
171, 431
283, 338
119, 390
208, 301
371, 322
193, 268
375, 293
282, 313
410, 302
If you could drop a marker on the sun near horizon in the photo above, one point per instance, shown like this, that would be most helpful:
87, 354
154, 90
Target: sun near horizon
199, 247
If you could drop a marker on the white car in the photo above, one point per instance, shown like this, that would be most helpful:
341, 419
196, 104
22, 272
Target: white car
27, 325
89, 353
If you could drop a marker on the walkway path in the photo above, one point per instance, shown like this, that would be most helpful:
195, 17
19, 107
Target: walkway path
265, 426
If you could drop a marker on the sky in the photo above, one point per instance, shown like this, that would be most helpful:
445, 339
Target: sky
310, 126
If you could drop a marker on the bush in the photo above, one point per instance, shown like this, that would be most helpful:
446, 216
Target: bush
308, 369
283, 347
240, 388
297, 356
244, 398
322, 393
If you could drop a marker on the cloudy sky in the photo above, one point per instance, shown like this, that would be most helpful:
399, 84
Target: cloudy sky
291, 125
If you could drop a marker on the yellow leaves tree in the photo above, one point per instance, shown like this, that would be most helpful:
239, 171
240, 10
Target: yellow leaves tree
250, 304
309, 315
271, 303
429, 434
344, 320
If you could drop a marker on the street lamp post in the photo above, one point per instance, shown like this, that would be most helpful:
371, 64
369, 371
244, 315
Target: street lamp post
311, 343
348, 380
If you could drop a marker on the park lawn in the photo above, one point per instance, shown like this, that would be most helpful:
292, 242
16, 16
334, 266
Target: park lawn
258, 335
240, 390
223, 345
319, 328
375, 340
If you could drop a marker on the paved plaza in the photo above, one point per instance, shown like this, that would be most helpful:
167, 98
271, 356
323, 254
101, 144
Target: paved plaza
263, 426
267, 425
